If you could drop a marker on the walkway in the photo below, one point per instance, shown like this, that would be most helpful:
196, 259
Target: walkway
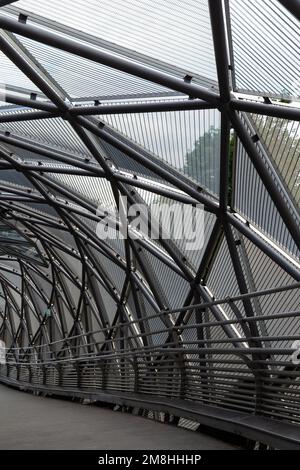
32, 422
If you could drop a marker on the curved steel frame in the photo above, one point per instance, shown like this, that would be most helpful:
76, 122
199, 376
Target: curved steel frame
145, 351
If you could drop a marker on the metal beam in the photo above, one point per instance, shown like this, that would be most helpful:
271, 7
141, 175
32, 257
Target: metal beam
293, 6
76, 237
220, 47
269, 250
265, 176
172, 178
241, 281
236, 298
105, 58
16, 52
48, 152
224, 161
280, 111
26, 116
27, 102
6, 2
143, 107
221, 54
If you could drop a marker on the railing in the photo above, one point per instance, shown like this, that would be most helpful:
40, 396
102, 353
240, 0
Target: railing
194, 364
256, 380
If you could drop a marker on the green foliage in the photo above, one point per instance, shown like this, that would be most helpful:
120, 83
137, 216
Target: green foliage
230, 165
281, 138
202, 163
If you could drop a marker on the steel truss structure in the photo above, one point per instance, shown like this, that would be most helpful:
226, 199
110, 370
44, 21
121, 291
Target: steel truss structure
209, 336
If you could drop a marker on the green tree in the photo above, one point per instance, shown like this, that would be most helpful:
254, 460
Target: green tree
202, 163
230, 165
281, 139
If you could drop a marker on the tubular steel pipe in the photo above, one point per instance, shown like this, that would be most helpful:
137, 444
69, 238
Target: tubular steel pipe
27, 116
211, 323
239, 274
6, 2
264, 246
179, 356
283, 112
28, 102
151, 165
150, 107
220, 41
10, 47
266, 177
293, 6
105, 58
63, 157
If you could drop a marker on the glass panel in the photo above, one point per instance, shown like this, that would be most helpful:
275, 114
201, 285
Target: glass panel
182, 234
175, 32
55, 132
254, 202
96, 189
187, 140
12, 76
267, 275
12, 243
83, 78
222, 269
282, 140
265, 48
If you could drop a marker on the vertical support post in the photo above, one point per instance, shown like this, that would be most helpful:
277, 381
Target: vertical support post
79, 372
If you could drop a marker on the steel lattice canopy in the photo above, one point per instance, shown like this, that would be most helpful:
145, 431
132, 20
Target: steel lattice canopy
193, 102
